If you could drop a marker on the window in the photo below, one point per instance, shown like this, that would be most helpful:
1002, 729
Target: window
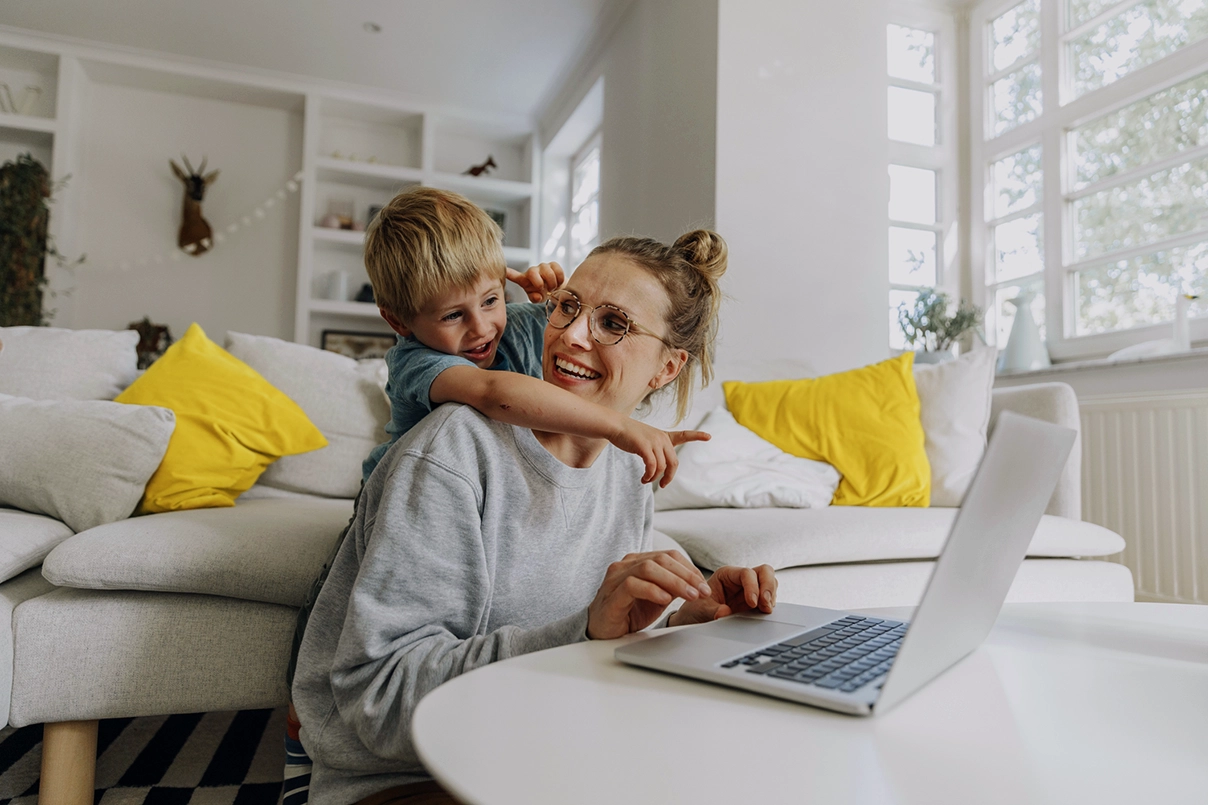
570, 189
922, 170
1093, 155
585, 202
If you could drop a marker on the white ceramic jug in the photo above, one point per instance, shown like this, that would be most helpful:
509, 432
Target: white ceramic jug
1025, 348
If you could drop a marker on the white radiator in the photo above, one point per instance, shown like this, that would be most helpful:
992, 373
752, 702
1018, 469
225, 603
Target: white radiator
1145, 476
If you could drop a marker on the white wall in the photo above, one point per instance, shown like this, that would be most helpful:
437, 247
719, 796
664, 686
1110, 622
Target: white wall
802, 188
659, 65
128, 207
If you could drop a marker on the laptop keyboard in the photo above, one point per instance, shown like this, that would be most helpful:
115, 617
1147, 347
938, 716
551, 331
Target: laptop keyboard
844, 655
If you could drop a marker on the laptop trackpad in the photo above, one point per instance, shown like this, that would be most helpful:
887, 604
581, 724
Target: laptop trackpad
751, 630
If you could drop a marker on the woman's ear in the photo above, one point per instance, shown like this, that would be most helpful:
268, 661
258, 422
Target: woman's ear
394, 322
674, 363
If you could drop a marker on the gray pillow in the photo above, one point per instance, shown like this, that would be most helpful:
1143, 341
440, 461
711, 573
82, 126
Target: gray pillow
345, 399
50, 363
85, 462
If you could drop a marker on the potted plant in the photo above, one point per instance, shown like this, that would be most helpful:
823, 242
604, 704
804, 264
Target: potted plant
25, 192
931, 329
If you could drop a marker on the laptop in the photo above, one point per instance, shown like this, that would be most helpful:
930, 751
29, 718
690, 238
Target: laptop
862, 665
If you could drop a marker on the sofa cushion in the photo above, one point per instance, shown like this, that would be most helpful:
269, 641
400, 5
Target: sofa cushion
738, 469
794, 537
231, 424
901, 584
25, 539
259, 550
865, 423
50, 363
954, 407
345, 398
85, 462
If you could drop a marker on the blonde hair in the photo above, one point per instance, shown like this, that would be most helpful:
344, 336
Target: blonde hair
426, 241
689, 271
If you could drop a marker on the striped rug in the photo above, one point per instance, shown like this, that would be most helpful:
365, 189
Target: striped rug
198, 759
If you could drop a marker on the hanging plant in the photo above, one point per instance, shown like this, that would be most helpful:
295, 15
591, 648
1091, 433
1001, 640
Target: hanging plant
25, 193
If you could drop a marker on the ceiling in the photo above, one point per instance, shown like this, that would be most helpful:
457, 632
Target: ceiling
476, 54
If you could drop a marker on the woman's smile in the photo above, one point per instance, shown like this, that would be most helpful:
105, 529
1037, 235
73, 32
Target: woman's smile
570, 368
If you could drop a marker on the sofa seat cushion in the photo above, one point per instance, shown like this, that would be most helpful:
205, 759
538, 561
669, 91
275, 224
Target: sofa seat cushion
25, 539
796, 537
259, 550
901, 584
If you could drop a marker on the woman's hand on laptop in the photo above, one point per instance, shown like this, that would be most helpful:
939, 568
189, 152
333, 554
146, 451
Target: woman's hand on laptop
733, 590
637, 589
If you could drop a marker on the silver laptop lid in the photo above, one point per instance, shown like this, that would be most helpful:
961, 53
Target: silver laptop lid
985, 548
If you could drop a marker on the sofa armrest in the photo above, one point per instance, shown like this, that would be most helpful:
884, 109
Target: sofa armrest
1056, 403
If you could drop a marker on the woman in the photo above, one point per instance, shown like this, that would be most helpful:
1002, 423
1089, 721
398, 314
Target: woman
475, 541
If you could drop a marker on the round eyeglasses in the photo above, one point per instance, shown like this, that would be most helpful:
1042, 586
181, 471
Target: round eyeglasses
608, 323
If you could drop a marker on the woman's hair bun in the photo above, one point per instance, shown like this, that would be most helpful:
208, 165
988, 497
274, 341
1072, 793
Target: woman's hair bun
705, 250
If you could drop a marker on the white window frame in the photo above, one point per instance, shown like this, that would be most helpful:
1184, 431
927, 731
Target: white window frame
1052, 129
944, 156
594, 141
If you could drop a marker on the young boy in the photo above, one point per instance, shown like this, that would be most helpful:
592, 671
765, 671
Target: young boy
437, 267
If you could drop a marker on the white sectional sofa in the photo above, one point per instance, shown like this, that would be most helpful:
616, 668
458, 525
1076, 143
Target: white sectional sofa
194, 611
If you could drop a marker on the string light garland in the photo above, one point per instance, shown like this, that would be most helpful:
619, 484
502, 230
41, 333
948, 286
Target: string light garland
220, 233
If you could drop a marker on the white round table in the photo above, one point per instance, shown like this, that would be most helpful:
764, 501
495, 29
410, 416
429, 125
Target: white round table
1064, 703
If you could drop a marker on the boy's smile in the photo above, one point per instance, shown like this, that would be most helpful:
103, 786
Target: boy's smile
463, 321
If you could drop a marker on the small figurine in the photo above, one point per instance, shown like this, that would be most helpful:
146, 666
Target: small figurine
480, 170
153, 340
365, 294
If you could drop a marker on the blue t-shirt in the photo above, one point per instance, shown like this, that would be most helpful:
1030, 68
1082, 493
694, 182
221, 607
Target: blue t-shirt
413, 367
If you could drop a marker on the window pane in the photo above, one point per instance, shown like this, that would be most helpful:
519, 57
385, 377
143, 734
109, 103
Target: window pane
911, 54
584, 231
1165, 123
912, 116
1138, 36
555, 247
1132, 293
1081, 11
1004, 312
912, 194
1017, 181
1015, 34
1017, 98
911, 256
897, 339
1019, 247
1168, 203
587, 179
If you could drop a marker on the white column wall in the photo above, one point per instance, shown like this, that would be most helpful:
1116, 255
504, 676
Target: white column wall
802, 188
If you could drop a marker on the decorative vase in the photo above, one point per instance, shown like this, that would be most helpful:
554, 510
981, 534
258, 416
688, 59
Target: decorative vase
1025, 349
1182, 332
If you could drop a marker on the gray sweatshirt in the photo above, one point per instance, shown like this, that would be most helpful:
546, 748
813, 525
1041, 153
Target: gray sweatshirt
471, 544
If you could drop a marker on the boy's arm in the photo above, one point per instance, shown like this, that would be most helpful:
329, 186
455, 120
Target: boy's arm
531, 403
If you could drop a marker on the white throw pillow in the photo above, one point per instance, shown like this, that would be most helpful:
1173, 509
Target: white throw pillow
954, 403
344, 398
50, 363
85, 462
737, 469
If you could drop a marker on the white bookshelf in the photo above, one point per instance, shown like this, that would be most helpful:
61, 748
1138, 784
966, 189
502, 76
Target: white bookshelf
359, 152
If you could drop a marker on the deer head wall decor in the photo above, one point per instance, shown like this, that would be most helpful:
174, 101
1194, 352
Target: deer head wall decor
195, 236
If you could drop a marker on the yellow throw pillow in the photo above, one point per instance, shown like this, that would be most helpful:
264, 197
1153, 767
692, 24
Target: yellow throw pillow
865, 423
231, 424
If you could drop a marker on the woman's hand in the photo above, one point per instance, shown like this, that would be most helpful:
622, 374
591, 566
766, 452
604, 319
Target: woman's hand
538, 281
732, 589
637, 589
655, 447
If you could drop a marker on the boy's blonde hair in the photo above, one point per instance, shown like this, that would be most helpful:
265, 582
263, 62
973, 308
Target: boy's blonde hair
426, 241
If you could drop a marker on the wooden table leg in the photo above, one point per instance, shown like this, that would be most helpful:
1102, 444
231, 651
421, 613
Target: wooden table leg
68, 763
